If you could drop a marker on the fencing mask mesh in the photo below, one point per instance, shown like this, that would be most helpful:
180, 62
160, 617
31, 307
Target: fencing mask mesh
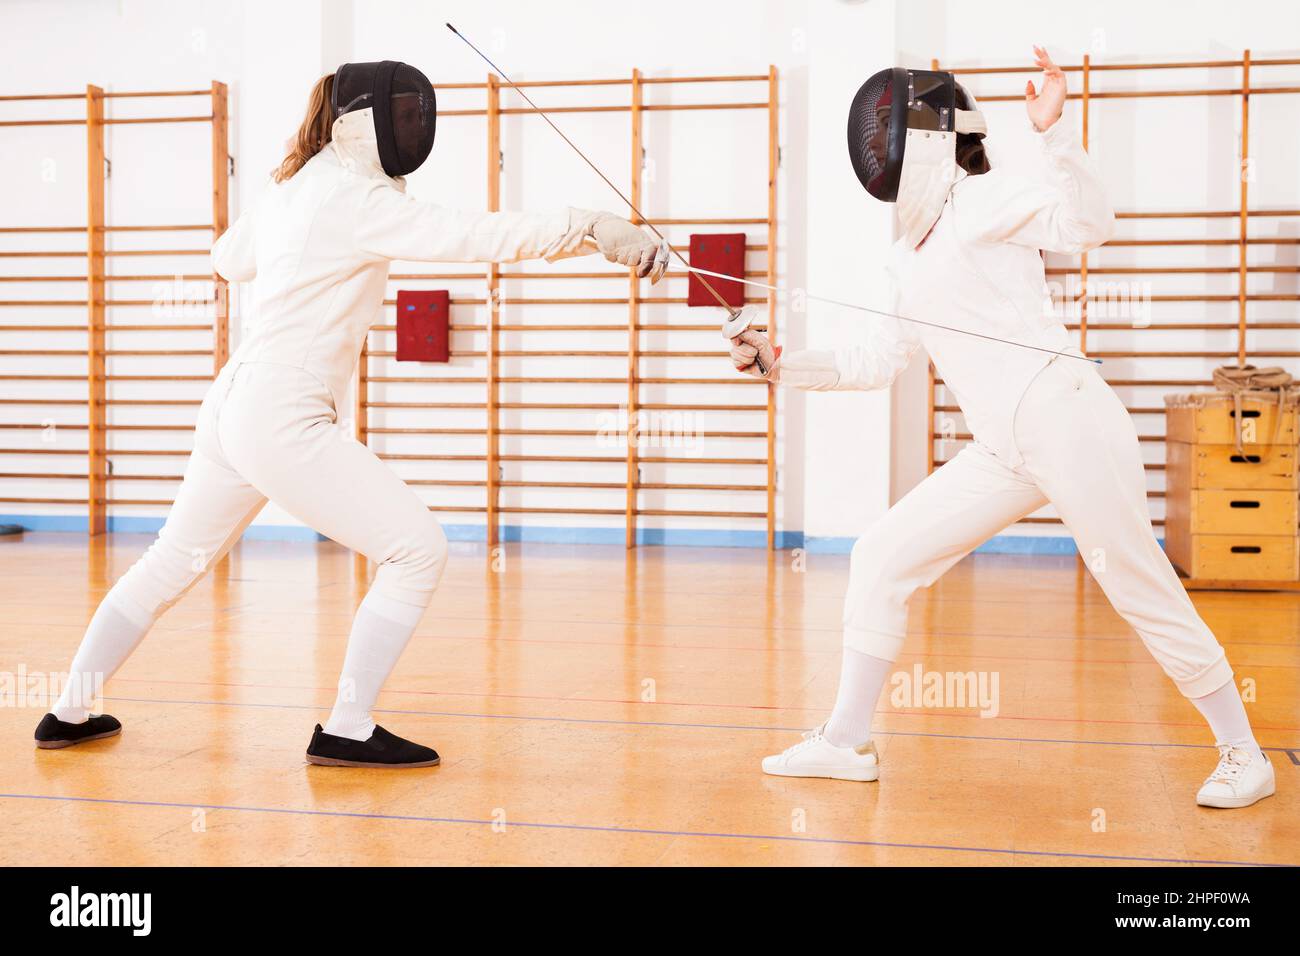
869, 134
903, 127
404, 109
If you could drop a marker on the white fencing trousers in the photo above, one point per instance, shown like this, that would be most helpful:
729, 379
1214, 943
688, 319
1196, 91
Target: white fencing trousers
1080, 453
268, 432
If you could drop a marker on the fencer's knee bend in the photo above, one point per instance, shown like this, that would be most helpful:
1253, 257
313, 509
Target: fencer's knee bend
875, 608
411, 570
872, 559
879, 570
433, 556
160, 577
428, 555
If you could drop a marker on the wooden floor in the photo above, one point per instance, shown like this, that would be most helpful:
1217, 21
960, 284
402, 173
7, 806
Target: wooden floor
598, 708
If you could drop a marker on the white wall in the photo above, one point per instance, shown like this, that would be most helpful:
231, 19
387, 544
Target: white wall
843, 457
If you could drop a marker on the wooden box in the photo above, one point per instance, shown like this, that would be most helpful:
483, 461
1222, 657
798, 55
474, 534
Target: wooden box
1232, 518
1211, 420
1228, 557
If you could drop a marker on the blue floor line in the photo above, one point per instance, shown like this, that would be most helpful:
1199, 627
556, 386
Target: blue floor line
631, 831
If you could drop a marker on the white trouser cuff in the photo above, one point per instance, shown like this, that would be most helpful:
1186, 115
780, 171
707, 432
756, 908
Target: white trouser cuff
393, 582
402, 612
1208, 680
887, 647
129, 609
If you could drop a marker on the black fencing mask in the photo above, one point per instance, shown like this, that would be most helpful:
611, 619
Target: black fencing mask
903, 127
403, 105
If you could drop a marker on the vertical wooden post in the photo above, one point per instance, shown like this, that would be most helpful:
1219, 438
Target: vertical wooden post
1083, 258
493, 311
96, 318
220, 222
633, 331
773, 164
361, 429
1083, 267
1243, 172
361, 409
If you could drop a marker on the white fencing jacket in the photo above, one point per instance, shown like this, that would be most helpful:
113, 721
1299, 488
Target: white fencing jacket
980, 270
317, 247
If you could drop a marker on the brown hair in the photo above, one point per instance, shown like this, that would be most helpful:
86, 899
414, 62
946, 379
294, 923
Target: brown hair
314, 133
970, 154
970, 146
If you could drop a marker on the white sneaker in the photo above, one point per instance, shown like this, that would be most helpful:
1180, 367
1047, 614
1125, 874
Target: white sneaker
1240, 779
815, 756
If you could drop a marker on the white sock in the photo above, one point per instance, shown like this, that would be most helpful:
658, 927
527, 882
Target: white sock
379, 635
1226, 715
861, 679
114, 632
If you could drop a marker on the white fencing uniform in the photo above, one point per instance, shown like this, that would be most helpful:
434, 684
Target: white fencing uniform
317, 249
1046, 429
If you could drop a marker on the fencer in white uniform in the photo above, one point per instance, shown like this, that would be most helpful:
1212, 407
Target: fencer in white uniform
1046, 429
316, 248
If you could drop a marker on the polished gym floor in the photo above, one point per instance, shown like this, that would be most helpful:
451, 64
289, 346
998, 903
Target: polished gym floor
595, 706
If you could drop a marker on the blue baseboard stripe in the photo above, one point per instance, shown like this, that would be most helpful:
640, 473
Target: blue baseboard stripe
999, 544
126, 524
552, 534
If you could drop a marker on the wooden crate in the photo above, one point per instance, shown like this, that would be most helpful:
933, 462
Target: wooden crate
1232, 518
1211, 420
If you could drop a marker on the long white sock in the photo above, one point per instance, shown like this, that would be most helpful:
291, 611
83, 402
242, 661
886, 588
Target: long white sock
379, 635
861, 679
114, 632
1226, 715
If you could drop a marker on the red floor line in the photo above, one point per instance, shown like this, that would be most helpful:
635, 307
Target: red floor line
251, 608
791, 650
678, 703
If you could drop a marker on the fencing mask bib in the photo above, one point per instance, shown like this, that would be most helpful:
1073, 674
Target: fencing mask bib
403, 105
903, 128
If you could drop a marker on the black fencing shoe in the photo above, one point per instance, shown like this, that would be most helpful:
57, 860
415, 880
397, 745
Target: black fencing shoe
52, 733
381, 750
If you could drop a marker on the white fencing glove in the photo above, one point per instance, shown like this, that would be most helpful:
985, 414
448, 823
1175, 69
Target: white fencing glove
749, 346
620, 241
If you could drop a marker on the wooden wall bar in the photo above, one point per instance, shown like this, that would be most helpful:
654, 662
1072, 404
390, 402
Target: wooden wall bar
96, 373
773, 166
1244, 178
220, 221
633, 482
479, 392
493, 357
99, 477
512, 471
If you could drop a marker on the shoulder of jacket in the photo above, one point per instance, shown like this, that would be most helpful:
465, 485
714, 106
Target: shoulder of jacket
367, 189
975, 199
983, 184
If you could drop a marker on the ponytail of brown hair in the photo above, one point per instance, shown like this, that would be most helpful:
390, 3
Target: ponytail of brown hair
970, 154
314, 133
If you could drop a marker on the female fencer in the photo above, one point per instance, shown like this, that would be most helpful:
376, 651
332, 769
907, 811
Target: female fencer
1047, 428
316, 247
